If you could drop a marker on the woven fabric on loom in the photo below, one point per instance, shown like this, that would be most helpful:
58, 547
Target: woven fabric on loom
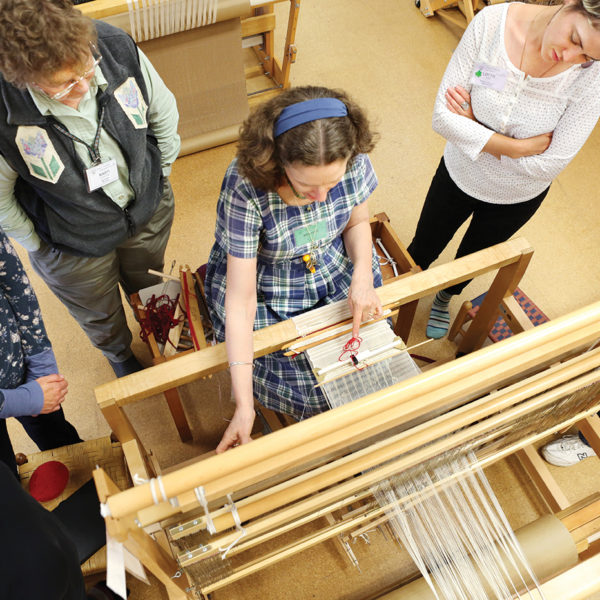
501, 330
381, 362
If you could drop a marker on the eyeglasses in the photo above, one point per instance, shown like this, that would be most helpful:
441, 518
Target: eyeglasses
96, 57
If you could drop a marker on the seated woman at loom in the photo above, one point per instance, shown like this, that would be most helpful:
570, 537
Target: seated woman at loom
292, 234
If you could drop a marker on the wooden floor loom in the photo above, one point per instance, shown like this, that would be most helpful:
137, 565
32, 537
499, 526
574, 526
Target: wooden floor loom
217, 56
496, 401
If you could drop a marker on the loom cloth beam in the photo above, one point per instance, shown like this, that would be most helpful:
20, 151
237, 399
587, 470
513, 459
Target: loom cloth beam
536, 539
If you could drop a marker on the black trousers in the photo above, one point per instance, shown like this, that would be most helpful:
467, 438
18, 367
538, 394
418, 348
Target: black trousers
48, 431
447, 207
39, 561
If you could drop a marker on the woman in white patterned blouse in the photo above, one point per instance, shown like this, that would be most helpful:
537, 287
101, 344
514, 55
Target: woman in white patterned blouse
519, 98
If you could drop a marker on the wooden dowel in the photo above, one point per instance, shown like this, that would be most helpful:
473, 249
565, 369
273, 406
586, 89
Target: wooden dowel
163, 275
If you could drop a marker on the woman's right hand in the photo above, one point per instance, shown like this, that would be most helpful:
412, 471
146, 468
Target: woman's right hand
54, 388
239, 429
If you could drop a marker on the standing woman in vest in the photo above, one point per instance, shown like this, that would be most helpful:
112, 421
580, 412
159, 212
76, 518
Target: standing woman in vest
292, 234
88, 132
520, 96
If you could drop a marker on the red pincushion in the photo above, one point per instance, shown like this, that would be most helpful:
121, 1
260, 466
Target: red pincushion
48, 481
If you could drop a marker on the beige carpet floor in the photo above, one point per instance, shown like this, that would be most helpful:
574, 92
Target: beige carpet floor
391, 59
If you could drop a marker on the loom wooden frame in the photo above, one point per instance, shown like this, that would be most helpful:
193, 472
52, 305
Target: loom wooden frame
249, 465
380, 229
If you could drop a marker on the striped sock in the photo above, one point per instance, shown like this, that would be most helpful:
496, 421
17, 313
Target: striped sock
439, 317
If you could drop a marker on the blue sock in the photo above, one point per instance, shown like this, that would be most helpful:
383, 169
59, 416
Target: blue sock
439, 317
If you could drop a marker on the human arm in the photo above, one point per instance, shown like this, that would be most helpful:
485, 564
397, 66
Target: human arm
13, 218
570, 134
458, 101
40, 396
43, 391
362, 298
163, 116
468, 135
240, 311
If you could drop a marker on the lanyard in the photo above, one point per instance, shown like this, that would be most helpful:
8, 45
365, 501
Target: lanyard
94, 150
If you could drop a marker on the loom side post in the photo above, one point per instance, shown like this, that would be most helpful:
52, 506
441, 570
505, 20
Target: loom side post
506, 281
140, 544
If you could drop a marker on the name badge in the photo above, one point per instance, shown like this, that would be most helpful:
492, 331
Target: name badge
311, 233
102, 174
489, 76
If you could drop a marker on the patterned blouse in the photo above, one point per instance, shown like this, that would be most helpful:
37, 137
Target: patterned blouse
23, 339
567, 104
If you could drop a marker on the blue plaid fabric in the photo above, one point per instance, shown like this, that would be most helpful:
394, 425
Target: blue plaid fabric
254, 223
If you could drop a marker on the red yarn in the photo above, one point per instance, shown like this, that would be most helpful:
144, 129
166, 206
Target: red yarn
158, 318
48, 481
350, 348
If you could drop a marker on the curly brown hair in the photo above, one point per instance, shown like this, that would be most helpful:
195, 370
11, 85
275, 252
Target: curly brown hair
262, 157
40, 37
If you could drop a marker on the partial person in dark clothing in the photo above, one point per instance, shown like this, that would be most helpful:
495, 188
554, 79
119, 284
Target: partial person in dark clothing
39, 560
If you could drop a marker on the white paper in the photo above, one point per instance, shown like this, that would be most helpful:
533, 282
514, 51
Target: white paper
115, 566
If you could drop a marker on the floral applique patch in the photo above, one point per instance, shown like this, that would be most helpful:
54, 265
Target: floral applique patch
132, 102
39, 154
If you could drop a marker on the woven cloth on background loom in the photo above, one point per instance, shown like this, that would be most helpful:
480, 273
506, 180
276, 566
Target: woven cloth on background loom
203, 66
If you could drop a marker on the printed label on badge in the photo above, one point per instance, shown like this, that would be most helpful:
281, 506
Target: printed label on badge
101, 174
308, 234
489, 76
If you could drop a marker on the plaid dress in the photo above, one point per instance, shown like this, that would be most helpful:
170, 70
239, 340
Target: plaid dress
254, 223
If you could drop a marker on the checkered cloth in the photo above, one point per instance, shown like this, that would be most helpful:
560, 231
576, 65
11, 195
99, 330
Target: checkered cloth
501, 330
254, 223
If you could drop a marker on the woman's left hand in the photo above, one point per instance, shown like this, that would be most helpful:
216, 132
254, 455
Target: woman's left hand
364, 303
458, 100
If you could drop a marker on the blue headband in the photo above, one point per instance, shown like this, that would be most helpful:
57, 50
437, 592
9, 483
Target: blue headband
308, 110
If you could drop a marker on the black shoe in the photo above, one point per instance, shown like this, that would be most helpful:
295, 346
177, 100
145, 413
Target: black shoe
127, 367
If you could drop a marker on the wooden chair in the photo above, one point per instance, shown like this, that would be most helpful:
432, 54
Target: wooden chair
456, 12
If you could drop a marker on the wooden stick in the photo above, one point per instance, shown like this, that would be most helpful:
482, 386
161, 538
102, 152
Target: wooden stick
163, 275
